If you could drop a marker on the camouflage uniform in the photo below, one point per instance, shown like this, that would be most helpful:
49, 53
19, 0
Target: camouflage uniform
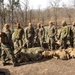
70, 37
7, 31
64, 34
40, 31
6, 49
51, 35
73, 29
18, 36
30, 33
36, 41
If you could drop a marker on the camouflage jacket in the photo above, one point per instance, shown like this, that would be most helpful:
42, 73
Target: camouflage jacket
65, 31
9, 36
73, 29
18, 34
4, 39
8, 33
30, 33
52, 32
40, 32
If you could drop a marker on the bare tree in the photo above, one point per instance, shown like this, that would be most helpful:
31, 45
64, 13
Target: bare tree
68, 12
1, 10
26, 10
73, 2
54, 4
39, 12
48, 13
42, 16
30, 11
12, 4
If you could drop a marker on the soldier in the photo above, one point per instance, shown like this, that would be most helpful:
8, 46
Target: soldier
43, 33
70, 36
73, 29
64, 35
18, 36
51, 35
30, 33
40, 31
6, 49
7, 31
37, 32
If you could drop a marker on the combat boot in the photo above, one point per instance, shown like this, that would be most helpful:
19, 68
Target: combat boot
15, 64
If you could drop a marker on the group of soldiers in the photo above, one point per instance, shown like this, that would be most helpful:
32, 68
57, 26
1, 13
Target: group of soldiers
34, 37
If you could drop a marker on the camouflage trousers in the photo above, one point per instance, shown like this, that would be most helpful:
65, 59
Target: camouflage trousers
42, 40
52, 43
7, 53
36, 42
18, 43
74, 42
30, 43
63, 43
70, 42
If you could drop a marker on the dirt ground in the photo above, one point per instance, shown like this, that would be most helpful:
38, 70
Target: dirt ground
47, 67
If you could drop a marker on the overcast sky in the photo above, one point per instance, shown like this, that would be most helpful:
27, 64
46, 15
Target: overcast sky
43, 3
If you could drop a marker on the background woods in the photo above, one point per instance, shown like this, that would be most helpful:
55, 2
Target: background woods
18, 11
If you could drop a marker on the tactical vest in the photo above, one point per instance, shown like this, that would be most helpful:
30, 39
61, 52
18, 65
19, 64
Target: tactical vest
65, 32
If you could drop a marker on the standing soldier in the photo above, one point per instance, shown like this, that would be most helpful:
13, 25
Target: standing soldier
73, 29
70, 36
30, 33
64, 35
7, 31
51, 35
40, 31
6, 49
43, 33
18, 36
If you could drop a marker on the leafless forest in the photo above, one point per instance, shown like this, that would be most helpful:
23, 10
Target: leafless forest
17, 11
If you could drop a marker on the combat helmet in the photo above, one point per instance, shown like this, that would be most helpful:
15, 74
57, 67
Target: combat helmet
73, 23
6, 25
50, 22
64, 23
